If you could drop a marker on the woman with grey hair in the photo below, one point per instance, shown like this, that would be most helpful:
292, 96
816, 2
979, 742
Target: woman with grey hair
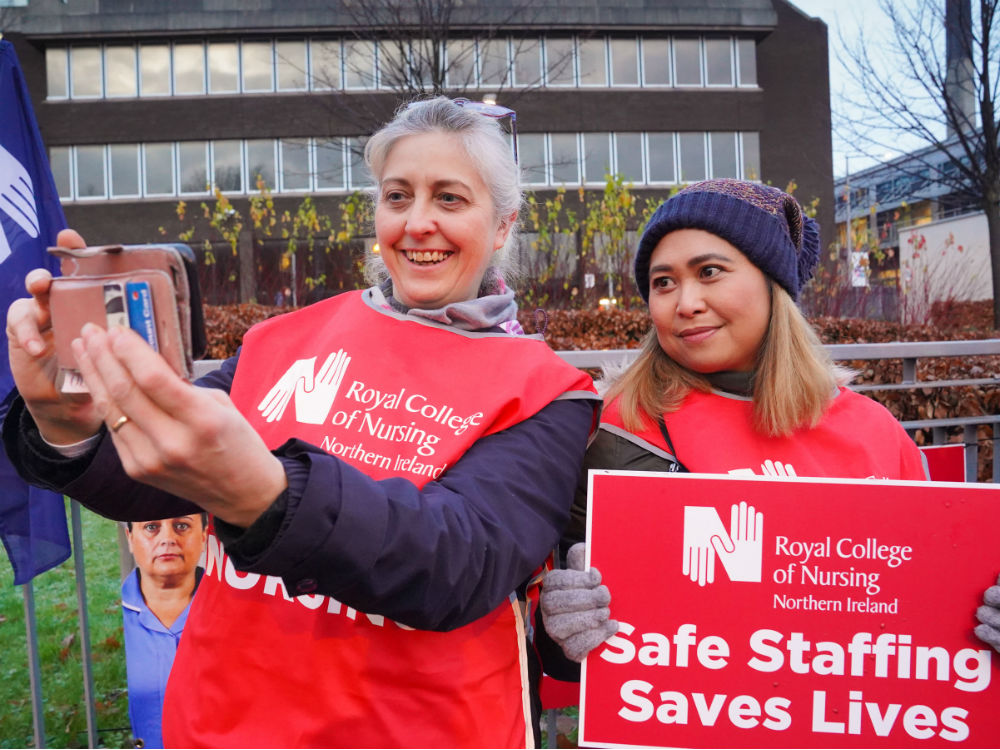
385, 469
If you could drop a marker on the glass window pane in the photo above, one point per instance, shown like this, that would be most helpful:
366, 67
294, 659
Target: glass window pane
628, 149
461, 70
192, 164
531, 152
55, 72
660, 153
154, 70
719, 62
656, 63
596, 156
724, 163
85, 71
565, 159
189, 69
359, 64
223, 65
330, 173
559, 62
294, 164
687, 62
592, 63
751, 156
746, 49
692, 153
393, 69
356, 162
424, 63
90, 172
494, 69
120, 71
527, 62
291, 64
124, 169
325, 58
227, 165
59, 157
624, 62
158, 160
258, 69
260, 163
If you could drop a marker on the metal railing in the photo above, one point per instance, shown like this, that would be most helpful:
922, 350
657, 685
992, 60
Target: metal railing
907, 351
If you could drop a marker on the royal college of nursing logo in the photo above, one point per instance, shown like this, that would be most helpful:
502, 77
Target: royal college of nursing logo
314, 392
740, 549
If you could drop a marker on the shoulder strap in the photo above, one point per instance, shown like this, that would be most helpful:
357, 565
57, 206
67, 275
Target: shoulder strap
677, 465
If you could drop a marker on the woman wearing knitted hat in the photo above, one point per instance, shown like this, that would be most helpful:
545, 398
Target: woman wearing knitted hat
731, 378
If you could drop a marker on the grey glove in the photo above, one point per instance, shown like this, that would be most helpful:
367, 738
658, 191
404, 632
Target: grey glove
575, 606
989, 616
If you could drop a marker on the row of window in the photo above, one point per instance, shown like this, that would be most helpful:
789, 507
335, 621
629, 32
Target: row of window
254, 66
316, 164
922, 183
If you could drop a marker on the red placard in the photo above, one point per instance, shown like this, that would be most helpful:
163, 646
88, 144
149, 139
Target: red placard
945, 463
760, 612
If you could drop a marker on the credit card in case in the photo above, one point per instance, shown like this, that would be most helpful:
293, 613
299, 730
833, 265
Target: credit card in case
139, 299
150, 288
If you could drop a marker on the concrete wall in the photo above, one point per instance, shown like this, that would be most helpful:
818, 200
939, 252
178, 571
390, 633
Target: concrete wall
943, 260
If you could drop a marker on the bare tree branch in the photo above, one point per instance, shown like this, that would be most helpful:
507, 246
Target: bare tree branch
421, 53
934, 78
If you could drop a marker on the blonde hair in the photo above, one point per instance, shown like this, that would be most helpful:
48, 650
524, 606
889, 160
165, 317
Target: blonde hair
793, 383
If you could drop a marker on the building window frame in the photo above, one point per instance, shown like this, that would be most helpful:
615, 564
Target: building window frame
73, 69
605, 55
50, 65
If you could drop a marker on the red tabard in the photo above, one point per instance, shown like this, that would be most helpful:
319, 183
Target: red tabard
259, 668
714, 434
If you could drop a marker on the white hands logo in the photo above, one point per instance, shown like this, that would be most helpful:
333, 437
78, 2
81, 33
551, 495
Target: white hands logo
17, 199
313, 400
777, 469
769, 469
314, 393
741, 549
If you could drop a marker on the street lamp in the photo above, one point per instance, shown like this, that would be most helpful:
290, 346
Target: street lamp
859, 276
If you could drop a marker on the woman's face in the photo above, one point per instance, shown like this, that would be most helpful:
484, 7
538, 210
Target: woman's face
435, 222
710, 305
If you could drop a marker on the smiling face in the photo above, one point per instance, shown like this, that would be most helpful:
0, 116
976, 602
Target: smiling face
435, 221
710, 305
169, 547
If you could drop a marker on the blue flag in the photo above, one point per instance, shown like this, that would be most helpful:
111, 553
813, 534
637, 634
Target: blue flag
32, 521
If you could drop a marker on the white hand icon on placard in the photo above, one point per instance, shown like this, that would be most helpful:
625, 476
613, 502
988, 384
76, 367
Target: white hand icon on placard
700, 526
740, 549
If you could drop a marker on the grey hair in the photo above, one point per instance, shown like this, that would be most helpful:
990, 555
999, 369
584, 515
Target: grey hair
486, 146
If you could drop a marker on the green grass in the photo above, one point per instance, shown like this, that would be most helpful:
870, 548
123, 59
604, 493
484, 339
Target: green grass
59, 648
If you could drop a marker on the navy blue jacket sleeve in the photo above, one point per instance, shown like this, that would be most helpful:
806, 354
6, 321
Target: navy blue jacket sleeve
442, 556
96, 479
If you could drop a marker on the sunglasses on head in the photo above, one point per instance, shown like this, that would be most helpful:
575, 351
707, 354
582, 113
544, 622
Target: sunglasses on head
488, 110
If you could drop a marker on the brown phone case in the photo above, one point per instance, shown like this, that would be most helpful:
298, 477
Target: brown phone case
79, 296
